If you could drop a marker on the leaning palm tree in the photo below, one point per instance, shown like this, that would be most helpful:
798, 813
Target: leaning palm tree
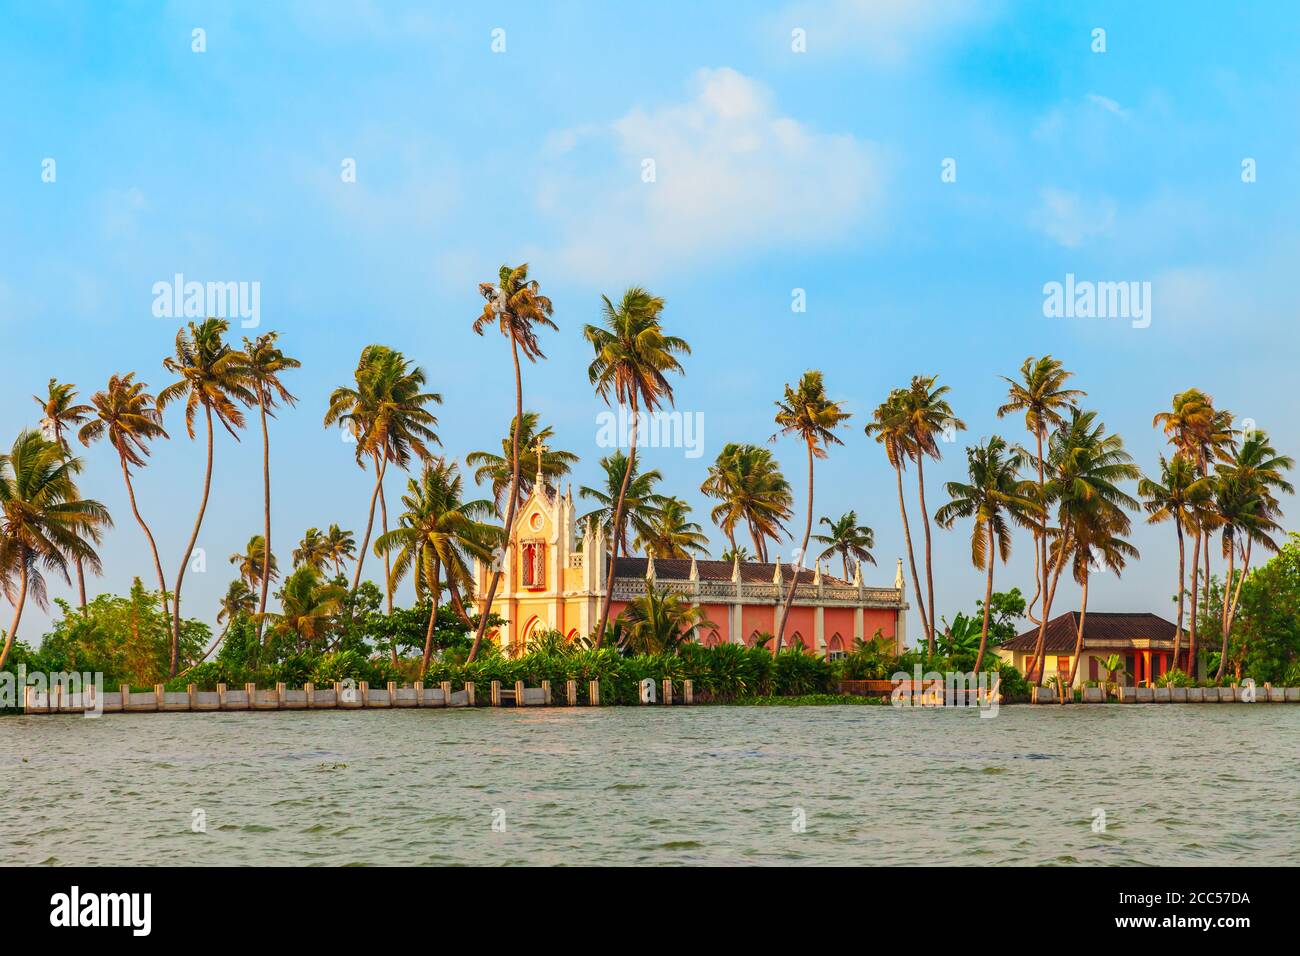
499, 470
313, 551
515, 305
671, 533
641, 503
890, 427
996, 498
238, 602
59, 413
44, 521
1174, 496
340, 548
253, 565
1041, 395
387, 417
264, 363
214, 378
438, 535
807, 412
930, 420
748, 483
848, 539
632, 356
129, 416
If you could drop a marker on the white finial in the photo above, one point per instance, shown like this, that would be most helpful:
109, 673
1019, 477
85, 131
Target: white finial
735, 568
650, 567
898, 575
695, 571
817, 575
776, 572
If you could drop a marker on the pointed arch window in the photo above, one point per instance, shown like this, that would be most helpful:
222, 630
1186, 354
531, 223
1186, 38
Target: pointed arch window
532, 564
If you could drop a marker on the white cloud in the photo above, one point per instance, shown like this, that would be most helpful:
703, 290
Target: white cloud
1107, 104
888, 31
1070, 219
731, 175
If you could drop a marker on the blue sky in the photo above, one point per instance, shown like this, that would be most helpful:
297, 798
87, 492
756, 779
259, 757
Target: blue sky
774, 170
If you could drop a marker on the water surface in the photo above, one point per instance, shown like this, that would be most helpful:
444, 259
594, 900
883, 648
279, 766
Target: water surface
1179, 784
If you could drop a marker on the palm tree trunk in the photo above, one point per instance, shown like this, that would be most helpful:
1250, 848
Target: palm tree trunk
1224, 626
845, 557
1206, 558
189, 549
1236, 599
388, 561
370, 521
18, 610
1037, 659
1078, 640
1178, 631
1191, 630
794, 568
617, 526
988, 600
911, 559
81, 583
266, 511
760, 552
153, 548
434, 597
510, 502
929, 571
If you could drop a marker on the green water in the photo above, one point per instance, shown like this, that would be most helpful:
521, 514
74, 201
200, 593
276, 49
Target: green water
1178, 784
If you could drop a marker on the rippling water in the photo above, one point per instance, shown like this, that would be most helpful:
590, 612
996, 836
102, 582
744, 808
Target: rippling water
1184, 784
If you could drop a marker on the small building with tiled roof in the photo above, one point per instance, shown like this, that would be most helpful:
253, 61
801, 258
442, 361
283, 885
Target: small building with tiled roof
555, 575
1144, 642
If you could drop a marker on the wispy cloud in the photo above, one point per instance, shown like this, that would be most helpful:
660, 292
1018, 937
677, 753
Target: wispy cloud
1108, 105
1071, 219
888, 31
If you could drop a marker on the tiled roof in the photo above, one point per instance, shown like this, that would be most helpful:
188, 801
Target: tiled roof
679, 569
1099, 629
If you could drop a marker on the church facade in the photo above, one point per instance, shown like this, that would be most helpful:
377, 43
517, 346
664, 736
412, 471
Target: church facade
554, 576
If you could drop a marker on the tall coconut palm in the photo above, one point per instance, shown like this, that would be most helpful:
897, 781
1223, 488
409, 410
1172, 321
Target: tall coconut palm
499, 469
129, 416
252, 563
265, 362
1040, 394
890, 427
1098, 542
340, 547
438, 535
60, 413
388, 418
515, 305
1202, 434
213, 378
748, 483
641, 503
313, 551
632, 356
848, 539
806, 411
997, 498
671, 533
1174, 496
44, 521
930, 422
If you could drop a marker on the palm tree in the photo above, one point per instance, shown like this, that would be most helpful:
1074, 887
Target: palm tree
340, 547
129, 416
499, 469
1086, 466
437, 536
748, 483
740, 554
929, 416
252, 563
59, 412
214, 378
239, 601
632, 356
659, 622
308, 607
997, 498
1041, 395
515, 305
805, 411
44, 521
641, 503
313, 550
890, 427
387, 416
848, 539
264, 363
1098, 527
1200, 433
671, 534
1174, 496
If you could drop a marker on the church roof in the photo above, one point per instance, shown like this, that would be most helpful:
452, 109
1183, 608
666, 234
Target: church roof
679, 569
1099, 629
